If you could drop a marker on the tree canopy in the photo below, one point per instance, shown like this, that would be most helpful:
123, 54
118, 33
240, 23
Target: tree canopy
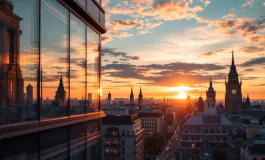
154, 143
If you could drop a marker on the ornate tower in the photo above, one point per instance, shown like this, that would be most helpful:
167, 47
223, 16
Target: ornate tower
60, 93
11, 81
131, 97
200, 104
140, 98
210, 103
109, 98
233, 95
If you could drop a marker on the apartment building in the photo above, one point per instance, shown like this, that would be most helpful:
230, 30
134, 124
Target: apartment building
122, 137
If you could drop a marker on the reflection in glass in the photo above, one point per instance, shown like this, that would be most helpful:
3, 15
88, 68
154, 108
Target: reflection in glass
78, 141
77, 65
93, 9
54, 59
92, 70
82, 2
18, 60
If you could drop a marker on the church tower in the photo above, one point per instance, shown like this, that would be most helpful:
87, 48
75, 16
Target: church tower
60, 95
131, 97
109, 98
233, 95
140, 98
210, 103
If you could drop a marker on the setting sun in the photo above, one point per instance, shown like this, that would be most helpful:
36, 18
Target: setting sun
182, 95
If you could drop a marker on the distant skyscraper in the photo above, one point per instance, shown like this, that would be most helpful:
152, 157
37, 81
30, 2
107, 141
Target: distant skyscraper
140, 98
210, 103
60, 93
233, 95
131, 97
29, 94
109, 98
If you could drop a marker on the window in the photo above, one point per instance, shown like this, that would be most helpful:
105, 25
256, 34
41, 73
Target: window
19, 62
92, 70
192, 145
77, 141
123, 150
52, 139
77, 65
54, 59
93, 9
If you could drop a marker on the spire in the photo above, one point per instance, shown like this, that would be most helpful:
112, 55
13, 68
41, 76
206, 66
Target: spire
211, 84
233, 57
61, 80
109, 93
131, 91
233, 67
140, 94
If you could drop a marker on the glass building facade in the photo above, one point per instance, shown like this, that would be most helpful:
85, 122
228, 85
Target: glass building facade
50, 77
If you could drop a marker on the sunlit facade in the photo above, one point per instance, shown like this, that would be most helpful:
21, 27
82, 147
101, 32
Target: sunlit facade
50, 74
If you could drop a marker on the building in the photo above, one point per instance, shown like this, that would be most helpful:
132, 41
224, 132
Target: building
236, 139
109, 99
131, 97
254, 148
140, 98
116, 111
122, 137
171, 123
233, 95
29, 94
60, 95
152, 122
210, 103
43, 43
201, 132
200, 105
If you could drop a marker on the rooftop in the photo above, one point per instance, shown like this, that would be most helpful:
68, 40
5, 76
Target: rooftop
207, 119
119, 120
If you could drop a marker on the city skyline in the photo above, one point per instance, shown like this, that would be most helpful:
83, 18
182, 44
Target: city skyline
147, 43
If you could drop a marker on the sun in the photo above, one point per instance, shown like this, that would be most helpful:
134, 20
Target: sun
182, 95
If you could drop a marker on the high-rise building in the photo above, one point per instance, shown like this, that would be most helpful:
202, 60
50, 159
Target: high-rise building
29, 94
140, 98
210, 103
233, 95
39, 42
131, 97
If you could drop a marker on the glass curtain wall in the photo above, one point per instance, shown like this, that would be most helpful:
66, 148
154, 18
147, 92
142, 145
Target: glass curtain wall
48, 73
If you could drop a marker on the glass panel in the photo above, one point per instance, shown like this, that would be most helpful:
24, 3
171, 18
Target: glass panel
77, 65
102, 19
82, 2
18, 61
92, 70
54, 59
78, 141
93, 9
22, 147
93, 149
54, 144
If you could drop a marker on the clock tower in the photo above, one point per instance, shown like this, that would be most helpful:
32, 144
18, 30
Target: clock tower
233, 95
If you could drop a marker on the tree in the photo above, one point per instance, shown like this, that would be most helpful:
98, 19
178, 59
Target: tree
154, 143
219, 153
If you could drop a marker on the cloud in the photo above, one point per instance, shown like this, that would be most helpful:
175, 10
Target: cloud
105, 39
229, 15
251, 49
127, 23
113, 53
121, 34
253, 62
258, 85
249, 70
212, 53
248, 3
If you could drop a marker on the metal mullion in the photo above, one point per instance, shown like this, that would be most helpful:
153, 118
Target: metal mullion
69, 72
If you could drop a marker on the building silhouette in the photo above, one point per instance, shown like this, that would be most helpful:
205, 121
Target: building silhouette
131, 97
200, 105
60, 94
29, 94
109, 98
233, 95
140, 98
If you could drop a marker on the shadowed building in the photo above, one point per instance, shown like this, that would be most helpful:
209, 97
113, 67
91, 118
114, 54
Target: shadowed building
140, 98
29, 94
131, 97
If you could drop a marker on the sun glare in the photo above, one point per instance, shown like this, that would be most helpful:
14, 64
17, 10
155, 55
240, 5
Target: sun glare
180, 89
182, 95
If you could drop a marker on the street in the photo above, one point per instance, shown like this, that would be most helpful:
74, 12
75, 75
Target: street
173, 145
